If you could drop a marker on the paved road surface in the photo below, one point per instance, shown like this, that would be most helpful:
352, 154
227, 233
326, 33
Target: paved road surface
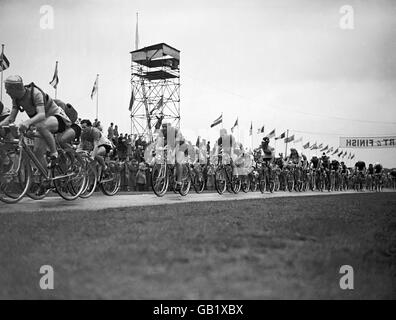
100, 201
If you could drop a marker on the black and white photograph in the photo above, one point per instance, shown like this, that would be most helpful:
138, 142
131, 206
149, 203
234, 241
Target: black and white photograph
185, 151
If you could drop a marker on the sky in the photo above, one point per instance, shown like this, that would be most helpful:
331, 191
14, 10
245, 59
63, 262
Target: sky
277, 64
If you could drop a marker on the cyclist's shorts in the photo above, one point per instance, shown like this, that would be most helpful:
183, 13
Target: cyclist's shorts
61, 124
77, 130
107, 147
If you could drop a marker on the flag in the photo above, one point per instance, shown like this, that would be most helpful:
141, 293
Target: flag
137, 33
340, 154
281, 136
260, 130
349, 156
335, 151
55, 80
320, 146
352, 157
345, 153
298, 140
251, 129
198, 142
95, 87
289, 139
271, 134
4, 63
159, 122
160, 103
306, 146
217, 121
314, 146
132, 100
324, 149
235, 124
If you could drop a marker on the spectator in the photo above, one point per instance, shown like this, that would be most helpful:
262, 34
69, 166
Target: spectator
133, 167
110, 132
115, 133
141, 179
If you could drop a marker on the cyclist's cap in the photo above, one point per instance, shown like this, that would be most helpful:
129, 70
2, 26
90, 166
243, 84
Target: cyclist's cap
87, 122
14, 82
266, 139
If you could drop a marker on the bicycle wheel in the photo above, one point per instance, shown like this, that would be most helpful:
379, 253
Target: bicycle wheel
290, 183
69, 176
15, 178
111, 180
186, 181
253, 183
91, 177
220, 180
78, 183
159, 179
262, 184
235, 184
245, 186
271, 186
198, 181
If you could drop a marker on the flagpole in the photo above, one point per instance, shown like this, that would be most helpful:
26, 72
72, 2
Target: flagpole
287, 136
97, 97
56, 88
1, 63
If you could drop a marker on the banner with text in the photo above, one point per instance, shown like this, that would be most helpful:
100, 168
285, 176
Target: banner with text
368, 142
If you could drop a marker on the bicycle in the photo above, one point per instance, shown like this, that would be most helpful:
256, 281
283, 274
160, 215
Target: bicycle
162, 173
67, 177
225, 177
378, 182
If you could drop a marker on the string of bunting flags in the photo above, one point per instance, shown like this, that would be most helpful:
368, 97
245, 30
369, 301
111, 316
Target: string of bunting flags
320, 147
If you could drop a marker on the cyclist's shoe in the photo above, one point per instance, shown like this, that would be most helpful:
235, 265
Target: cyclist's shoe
54, 161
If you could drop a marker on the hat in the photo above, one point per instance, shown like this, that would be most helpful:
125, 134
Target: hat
14, 81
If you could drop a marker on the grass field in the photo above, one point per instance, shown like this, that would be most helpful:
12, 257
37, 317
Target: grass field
255, 249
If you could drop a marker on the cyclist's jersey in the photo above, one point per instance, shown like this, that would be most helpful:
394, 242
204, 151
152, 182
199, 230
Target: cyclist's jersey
325, 162
378, 168
94, 136
315, 162
279, 163
172, 136
268, 151
335, 165
226, 143
30, 107
295, 158
370, 170
361, 165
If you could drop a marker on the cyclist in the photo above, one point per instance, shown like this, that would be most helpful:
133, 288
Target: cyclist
101, 145
72, 133
226, 146
344, 172
44, 114
360, 167
335, 166
172, 138
378, 170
